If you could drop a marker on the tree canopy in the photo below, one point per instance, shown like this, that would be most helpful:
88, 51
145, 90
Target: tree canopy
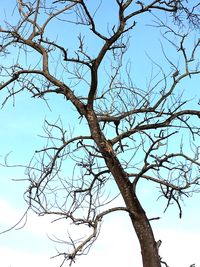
134, 116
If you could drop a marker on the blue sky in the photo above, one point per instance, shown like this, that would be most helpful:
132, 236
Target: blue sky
19, 135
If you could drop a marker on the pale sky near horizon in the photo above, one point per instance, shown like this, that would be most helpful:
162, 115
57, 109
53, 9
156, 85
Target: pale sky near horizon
117, 244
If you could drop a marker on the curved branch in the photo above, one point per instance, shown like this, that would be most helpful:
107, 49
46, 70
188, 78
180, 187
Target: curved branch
86, 243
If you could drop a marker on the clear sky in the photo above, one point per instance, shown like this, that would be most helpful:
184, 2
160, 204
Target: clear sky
21, 125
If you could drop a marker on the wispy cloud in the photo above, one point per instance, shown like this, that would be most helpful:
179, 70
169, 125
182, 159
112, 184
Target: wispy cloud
16, 258
116, 246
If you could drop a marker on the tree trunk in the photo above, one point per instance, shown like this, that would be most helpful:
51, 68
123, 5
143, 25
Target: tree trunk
149, 251
140, 222
138, 217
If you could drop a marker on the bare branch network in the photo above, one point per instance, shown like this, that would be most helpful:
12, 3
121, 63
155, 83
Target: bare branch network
128, 134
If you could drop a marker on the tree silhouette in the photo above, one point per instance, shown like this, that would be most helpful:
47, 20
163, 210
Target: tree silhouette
127, 132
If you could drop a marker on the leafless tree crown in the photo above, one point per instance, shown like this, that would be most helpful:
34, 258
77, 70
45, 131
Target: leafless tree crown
127, 131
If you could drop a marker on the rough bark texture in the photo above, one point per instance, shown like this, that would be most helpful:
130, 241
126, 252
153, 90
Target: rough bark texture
138, 217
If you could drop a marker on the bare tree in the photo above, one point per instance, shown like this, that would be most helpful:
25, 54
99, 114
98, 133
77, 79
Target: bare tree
126, 131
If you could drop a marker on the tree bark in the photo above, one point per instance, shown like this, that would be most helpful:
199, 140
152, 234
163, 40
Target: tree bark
140, 222
149, 251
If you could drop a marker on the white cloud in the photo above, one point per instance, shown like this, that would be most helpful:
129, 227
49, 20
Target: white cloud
179, 248
116, 246
16, 258
8, 213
